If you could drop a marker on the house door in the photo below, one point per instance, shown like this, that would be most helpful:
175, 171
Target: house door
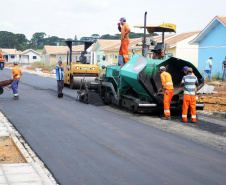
25, 58
6, 58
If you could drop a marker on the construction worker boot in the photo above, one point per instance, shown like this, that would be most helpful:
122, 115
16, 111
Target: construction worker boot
166, 118
15, 98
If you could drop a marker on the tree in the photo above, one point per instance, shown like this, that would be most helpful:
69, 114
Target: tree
7, 39
86, 39
38, 39
95, 37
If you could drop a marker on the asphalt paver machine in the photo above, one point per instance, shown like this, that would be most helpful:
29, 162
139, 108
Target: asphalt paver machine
135, 86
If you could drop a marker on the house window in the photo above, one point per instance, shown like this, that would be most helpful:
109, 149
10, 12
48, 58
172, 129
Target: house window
34, 57
12, 56
106, 58
98, 58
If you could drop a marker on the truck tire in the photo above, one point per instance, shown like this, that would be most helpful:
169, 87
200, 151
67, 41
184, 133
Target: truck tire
1, 90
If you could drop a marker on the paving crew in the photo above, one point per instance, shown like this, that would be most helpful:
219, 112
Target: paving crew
167, 87
2, 60
185, 70
60, 78
124, 39
189, 82
16, 74
224, 69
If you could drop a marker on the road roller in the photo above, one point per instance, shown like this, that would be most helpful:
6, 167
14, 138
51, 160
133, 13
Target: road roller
135, 86
75, 72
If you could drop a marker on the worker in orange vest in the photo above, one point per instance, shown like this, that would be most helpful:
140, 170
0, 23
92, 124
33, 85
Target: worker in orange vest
124, 39
2, 60
189, 82
16, 74
167, 87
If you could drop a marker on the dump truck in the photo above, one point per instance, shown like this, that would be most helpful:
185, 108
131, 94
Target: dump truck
76, 71
135, 86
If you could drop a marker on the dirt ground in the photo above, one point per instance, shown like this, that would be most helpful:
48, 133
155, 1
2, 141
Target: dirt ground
215, 102
8, 152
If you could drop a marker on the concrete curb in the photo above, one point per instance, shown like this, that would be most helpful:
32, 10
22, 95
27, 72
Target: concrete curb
29, 156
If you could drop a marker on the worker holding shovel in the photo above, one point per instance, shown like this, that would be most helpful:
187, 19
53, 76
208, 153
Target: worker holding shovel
16, 74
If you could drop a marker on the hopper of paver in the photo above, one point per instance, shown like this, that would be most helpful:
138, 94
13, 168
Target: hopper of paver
143, 77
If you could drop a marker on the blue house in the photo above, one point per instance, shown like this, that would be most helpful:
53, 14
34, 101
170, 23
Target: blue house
212, 43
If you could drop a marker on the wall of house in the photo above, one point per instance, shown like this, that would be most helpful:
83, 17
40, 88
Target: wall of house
10, 58
98, 58
213, 45
188, 52
112, 56
29, 57
47, 59
52, 60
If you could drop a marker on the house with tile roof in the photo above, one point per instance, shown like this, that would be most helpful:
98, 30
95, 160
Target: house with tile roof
177, 45
52, 54
98, 46
29, 56
10, 55
212, 43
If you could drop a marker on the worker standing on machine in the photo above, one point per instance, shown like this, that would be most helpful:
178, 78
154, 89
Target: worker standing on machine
124, 39
189, 82
16, 73
167, 87
60, 78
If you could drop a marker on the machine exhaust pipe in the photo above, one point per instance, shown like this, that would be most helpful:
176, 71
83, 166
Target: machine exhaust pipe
144, 47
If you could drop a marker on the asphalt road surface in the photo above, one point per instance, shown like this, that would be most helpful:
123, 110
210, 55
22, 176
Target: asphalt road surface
85, 144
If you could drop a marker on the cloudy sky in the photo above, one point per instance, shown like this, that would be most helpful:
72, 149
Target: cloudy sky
66, 18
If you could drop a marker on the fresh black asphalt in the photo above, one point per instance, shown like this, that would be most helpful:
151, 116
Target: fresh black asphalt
85, 144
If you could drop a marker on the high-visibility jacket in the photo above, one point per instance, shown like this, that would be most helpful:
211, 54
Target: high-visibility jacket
16, 73
125, 32
166, 79
1, 57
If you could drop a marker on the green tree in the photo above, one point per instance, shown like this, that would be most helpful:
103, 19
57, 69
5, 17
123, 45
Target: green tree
95, 37
7, 39
38, 39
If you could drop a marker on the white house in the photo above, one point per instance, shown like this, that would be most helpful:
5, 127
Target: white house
10, 55
29, 56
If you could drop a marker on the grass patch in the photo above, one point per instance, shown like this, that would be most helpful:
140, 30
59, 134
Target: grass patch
42, 65
39, 50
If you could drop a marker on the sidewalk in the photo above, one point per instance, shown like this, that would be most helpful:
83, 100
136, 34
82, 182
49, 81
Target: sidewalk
32, 172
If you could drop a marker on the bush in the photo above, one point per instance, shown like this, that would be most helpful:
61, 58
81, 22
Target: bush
217, 76
36, 64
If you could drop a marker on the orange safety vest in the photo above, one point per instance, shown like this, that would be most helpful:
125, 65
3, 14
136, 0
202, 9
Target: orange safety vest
166, 79
125, 31
1, 57
16, 72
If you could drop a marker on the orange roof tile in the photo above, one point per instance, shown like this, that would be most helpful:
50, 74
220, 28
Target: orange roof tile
10, 51
105, 42
62, 49
172, 41
133, 43
222, 19
27, 51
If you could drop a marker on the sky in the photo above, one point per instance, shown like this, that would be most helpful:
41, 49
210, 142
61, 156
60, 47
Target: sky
67, 18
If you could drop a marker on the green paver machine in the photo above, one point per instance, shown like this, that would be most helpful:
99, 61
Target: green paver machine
135, 85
